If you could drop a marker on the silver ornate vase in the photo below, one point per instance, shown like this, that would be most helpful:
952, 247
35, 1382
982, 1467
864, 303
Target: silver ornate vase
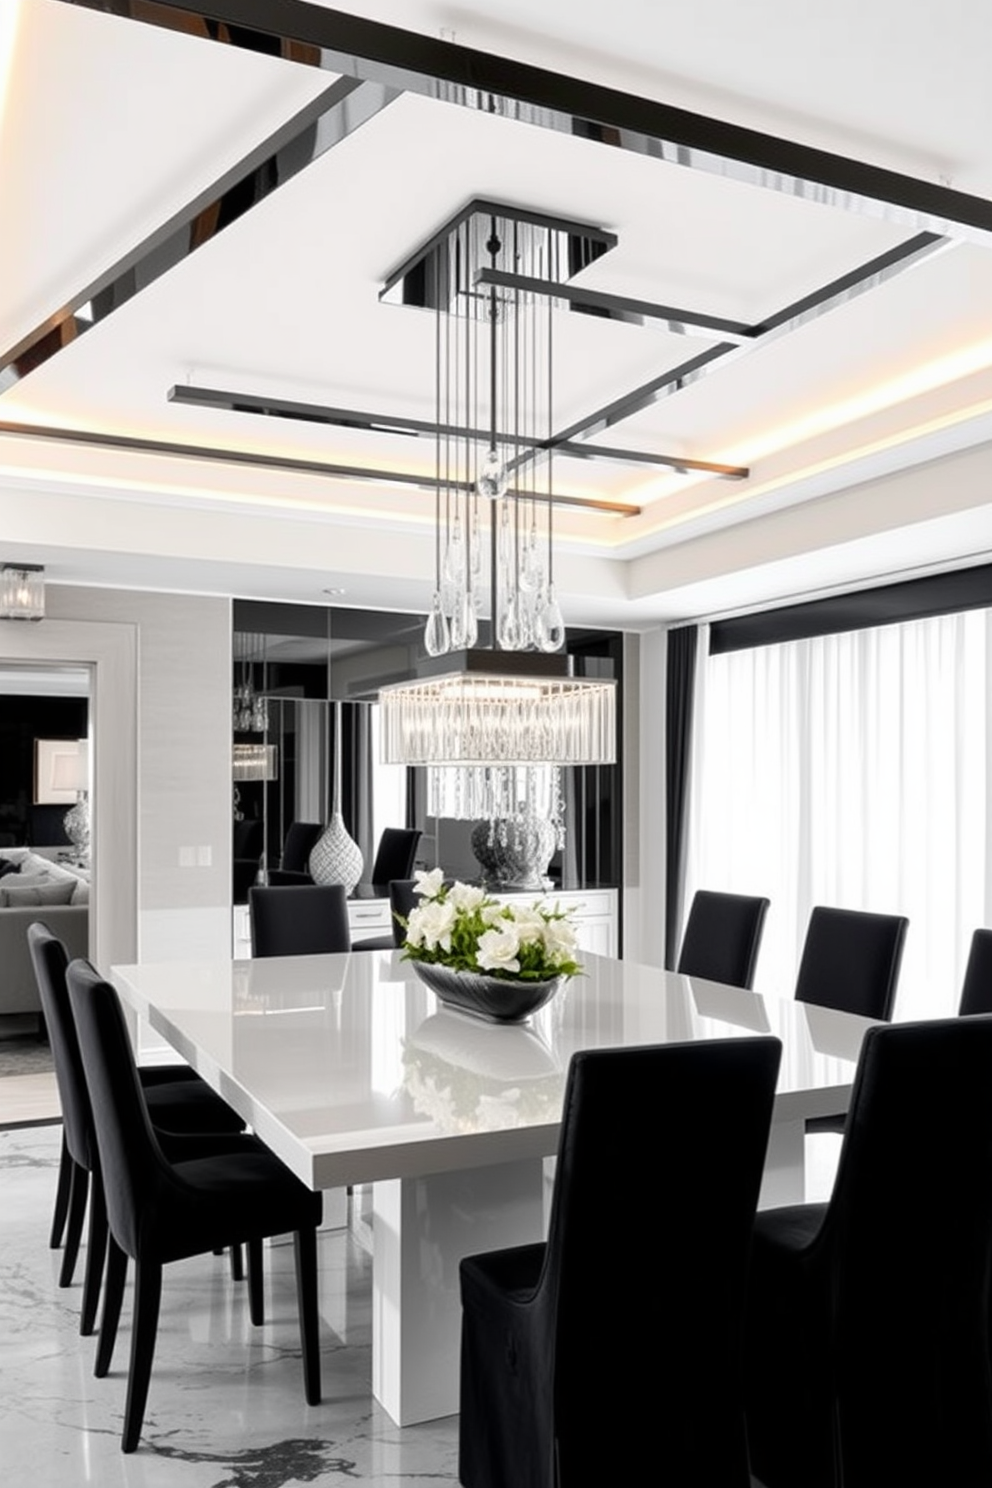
514, 852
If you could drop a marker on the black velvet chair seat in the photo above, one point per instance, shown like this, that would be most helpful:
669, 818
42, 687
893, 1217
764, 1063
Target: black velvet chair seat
868, 1357
584, 1366
160, 1210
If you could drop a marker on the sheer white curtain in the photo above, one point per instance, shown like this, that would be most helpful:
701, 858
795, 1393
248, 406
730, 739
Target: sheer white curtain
852, 770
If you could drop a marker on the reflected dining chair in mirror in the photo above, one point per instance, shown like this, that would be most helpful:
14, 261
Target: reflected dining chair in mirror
867, 1360
722, 937
299, 920
850, 961
682, 1129
395, 855
176, 1098
976, 988
161, 1210
294, 865
402, 899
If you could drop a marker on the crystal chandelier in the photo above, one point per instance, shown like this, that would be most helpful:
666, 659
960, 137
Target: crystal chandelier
490, 278
250, 713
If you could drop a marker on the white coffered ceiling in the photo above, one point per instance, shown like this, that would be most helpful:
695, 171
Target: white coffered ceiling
864, 420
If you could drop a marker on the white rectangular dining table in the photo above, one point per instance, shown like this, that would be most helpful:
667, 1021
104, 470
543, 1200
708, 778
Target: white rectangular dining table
352, 1072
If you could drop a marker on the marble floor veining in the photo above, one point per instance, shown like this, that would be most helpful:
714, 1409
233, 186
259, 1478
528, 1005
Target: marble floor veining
226, 1407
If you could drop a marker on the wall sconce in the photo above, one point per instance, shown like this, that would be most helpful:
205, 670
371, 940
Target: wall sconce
22, 591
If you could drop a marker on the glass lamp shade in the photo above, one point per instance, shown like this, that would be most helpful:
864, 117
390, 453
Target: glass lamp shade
254, 762
22, 591
493, 719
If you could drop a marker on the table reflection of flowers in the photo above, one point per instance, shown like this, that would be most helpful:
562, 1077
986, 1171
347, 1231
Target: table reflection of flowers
469, 1079
500, 960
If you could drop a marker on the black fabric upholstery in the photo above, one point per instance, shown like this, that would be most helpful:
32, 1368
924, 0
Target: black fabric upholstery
976, 989
402, 899
296, 849
851, 961
395, 854
868, 1332
160, 1210
722, 937
302, 920
177, 1098
682, 1129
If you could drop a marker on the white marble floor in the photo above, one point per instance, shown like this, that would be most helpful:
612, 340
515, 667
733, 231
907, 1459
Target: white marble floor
226, 1407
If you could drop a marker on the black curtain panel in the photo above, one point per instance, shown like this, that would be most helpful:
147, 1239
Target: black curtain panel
680, 688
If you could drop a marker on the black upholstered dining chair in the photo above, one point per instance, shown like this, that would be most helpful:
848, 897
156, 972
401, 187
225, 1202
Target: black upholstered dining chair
176, 1098
402, 899
160, 1210
722, 937
850, 962
299, 920
868, 1337
976, 988
683, 1129
395, 854
294, 866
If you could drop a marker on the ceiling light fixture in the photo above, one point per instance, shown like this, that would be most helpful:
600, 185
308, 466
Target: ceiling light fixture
22, 591
514, 703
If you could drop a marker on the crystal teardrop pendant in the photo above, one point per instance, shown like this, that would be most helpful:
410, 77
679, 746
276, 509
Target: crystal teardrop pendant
549, 622
436, 636
453, 568
492, 480
531, 567
508, 629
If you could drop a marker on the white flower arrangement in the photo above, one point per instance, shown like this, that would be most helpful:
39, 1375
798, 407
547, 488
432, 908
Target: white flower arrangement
461, 927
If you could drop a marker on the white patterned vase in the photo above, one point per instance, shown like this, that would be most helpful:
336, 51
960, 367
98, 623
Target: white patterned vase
336, 857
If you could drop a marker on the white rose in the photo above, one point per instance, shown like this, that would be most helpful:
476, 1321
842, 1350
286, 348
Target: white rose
529, 923
428, 885
437, 918
559, 940
466, 897
498, 949
414, 927
494, 914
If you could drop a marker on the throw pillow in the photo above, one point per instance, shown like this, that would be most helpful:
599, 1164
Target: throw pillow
81, 892
6, 866
36, 894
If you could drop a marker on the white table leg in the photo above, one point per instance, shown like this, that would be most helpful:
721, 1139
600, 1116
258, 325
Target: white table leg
785, 1166
421, 1228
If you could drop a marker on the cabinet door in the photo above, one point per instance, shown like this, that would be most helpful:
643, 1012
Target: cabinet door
597, 933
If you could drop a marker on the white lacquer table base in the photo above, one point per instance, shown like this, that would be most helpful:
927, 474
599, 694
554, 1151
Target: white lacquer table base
421, 1229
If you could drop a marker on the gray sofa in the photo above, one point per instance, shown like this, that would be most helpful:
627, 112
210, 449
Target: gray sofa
70, 922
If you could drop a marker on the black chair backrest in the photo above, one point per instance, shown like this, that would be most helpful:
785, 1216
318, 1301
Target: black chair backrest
249, 838
402, 899
685, 1128
910, 1228
299, 920
131, 1161
722, 937
298, 846
976, 989
395, 854
49, 959
851, 961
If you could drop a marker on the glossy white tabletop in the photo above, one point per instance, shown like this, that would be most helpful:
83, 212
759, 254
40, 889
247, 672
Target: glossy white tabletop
352, 1072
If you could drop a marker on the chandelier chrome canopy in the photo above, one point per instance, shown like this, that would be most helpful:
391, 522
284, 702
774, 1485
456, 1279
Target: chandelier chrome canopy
490, 278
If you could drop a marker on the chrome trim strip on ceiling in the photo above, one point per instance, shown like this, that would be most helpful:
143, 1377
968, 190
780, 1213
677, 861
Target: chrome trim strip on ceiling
383, 423
284, 462
335, 114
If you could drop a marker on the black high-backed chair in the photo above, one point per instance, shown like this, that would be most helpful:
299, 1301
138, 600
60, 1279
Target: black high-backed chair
722, 937
395, 854
868, 1336
294, 866
177, 1100
683, 1128
850, 962
976, 989
160, 1210
402, 899
299, 920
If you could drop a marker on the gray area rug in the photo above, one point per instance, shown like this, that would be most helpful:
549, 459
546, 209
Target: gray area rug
25, 1055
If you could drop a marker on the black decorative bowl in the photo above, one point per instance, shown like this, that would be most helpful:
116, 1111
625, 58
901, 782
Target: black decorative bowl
496, 999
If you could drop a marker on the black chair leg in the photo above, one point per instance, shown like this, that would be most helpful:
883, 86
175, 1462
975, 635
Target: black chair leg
305, 1247
113, 1296
61, 1197
256, 1293
78, 1191
96, 1250
237, 1264
144, 1326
